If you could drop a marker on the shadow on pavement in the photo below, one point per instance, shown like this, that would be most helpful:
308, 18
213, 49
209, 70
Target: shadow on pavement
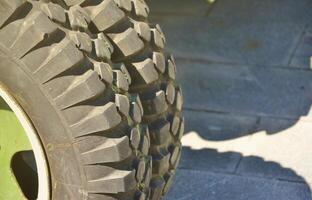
194, 181
244, 69
234, 91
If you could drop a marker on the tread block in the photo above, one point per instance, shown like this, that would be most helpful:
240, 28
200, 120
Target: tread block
147, 71
103, 47
175, 125
124, 4
149, 172
8, 7
128, 42
82, 41
136, 109
35, 29
123, 104
159, 61
159, 29
135, 138
171, 68
141, 9
159, 131
107, 10
161, 163
100, 197
105, 71
136, 112
120, 80
156, 105
143, 30
158, 37
78, 18
140, 196
179, 100
181, 129
54, 11
101, 118
125, 71
12, 28
145, 145
169, 180
170, 93
62, 57
35, 58
157, 185
111, 150
175, 154
84, 87
73, 2
141, 167
175, 166
136, 98
111, 180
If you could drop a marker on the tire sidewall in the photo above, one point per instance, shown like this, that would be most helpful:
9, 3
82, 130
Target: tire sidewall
66, 174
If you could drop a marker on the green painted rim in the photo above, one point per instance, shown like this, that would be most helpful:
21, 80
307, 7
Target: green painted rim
13, 139
21, 154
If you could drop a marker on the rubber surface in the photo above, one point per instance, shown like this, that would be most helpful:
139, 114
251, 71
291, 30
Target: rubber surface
102, 67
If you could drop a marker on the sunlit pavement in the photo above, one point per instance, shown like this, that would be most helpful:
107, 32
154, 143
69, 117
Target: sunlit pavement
247, 83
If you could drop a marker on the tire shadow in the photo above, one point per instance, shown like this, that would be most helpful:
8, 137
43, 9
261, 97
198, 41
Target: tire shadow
230, 93
209, 174
239, 78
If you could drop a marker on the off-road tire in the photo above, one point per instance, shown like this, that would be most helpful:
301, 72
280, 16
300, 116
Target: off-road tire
102, 95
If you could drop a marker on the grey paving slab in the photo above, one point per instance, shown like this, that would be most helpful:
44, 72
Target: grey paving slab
275, 125
180, 7
197, 185
303, 53
220, 126
246, 89
254, 166
244, 139
250, 32
209, 160
277, 10
225, 126
283, 155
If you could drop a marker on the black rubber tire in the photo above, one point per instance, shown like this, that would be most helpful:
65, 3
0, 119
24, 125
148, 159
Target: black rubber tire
92, 77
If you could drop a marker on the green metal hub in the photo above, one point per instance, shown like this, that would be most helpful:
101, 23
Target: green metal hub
13, 139
24, 172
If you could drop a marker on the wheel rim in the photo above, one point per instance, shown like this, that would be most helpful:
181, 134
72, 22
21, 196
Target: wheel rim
23, 167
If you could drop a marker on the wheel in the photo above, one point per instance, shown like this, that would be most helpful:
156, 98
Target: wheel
93, 80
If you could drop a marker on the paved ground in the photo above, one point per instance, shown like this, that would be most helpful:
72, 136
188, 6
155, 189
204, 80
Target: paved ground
244, 67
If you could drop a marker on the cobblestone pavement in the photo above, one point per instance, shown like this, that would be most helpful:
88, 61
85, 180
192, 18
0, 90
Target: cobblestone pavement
245, 70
